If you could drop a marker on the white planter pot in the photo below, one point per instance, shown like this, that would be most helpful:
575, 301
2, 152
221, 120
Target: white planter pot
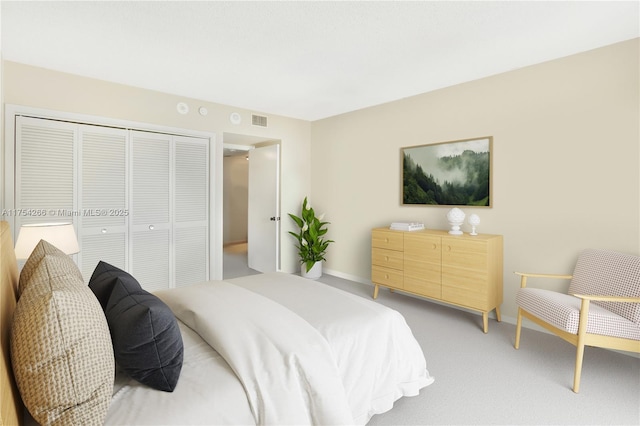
314, 273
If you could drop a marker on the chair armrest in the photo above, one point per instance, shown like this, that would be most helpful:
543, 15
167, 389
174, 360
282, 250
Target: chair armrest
525, 275
608, 298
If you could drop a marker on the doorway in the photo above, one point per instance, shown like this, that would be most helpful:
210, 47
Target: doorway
237, 205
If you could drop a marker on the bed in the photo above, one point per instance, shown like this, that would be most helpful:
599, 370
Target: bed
264, 349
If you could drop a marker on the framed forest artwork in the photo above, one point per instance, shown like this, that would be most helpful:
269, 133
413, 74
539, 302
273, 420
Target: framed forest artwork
456, 173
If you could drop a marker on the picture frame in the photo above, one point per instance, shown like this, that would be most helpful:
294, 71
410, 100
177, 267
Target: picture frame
454, 173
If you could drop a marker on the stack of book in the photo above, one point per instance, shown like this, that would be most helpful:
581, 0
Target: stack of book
407, 226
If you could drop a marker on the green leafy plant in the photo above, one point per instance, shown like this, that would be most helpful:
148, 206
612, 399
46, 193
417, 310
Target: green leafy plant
311, 244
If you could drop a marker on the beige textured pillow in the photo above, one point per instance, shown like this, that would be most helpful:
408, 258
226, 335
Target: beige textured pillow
61, 348
63, 264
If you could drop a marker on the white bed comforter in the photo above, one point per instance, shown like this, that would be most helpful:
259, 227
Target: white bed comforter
285, 366
304, 353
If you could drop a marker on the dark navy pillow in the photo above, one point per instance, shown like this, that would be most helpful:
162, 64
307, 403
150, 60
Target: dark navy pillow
146, 338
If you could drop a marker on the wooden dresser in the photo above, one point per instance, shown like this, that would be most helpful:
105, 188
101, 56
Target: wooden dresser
461, 270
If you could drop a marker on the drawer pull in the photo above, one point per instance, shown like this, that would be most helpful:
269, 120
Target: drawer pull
386, 258
386, 276
103, 230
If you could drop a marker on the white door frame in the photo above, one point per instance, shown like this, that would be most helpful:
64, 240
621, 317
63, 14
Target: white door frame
249, 146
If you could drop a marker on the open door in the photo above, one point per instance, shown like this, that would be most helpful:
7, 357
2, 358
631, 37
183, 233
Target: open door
263, 228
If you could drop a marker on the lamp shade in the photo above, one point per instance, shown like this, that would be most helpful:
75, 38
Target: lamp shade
61, 235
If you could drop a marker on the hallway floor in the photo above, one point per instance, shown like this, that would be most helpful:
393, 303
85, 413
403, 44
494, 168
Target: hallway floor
235, 263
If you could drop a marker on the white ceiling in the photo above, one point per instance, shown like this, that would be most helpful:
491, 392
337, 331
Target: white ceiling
308, 60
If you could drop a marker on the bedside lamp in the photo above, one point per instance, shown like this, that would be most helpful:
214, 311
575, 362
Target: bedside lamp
61, 235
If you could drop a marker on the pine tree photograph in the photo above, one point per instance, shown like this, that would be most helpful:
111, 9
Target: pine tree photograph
449, 173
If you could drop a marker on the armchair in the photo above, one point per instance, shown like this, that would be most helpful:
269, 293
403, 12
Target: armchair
602, 307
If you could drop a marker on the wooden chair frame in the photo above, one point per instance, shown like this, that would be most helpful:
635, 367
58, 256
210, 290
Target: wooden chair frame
583, 338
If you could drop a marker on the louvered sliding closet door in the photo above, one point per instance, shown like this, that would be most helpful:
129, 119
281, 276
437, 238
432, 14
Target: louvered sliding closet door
151, 200
45, 171
139, 200
103, 196
191, 210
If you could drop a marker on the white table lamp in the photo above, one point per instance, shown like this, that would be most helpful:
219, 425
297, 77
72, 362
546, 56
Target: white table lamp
61, 235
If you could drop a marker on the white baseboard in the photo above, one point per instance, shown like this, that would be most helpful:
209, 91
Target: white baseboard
348, 277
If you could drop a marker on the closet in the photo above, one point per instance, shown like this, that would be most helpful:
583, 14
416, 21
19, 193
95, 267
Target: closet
138, 199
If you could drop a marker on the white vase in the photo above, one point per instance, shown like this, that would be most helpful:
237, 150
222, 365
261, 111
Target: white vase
474, 220
455, 216
314, 273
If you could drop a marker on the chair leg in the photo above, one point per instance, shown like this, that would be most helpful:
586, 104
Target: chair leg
518, 328
582, 331
578, 370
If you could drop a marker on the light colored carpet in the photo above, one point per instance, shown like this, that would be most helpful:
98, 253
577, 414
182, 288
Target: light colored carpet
482, 380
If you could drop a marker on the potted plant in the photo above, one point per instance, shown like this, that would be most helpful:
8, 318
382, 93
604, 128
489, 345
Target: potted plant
311, 244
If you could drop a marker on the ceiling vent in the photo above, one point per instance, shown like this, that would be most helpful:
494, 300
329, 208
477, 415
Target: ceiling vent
258, 120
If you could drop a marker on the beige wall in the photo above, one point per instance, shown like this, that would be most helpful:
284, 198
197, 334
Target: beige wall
565, 165
235, 199
40, 88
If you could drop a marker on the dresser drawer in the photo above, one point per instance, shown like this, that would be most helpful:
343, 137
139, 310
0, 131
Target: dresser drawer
387, 277
386, 239
387, 258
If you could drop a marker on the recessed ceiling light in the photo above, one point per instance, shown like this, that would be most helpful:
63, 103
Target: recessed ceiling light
182, 108
235, 118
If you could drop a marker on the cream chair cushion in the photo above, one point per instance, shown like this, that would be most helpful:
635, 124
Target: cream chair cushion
563, 311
